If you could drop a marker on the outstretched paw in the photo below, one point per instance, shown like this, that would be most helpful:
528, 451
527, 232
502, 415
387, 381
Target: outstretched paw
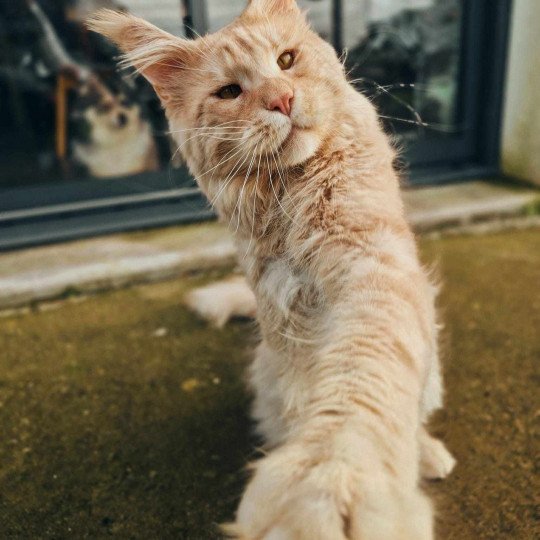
303, 494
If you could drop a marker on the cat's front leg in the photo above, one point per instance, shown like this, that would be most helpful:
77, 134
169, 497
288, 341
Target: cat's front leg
316, 488
267, 408
436, 462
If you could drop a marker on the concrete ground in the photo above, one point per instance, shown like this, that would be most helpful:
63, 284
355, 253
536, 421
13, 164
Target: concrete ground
123, 415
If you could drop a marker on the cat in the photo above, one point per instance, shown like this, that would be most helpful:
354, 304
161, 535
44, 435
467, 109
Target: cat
347, 372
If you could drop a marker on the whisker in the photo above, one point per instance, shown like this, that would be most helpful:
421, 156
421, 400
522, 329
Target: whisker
418, 121
221, 138
191, 29
239, 200
224, 129
228, 179
436, 127
275, 193
224, 125
402, 102
281, 172
344, 55
238, 151
212, 136
254, 209
230, 176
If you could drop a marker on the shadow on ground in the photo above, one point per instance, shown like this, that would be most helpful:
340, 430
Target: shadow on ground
123, 415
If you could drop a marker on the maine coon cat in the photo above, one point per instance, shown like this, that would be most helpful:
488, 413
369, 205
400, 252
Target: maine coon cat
347, 373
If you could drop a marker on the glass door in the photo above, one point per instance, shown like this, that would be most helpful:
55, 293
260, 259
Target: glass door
69, 114
84, 147
407, 57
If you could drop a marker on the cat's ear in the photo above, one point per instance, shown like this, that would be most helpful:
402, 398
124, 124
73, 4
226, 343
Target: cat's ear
272, 6
157, 55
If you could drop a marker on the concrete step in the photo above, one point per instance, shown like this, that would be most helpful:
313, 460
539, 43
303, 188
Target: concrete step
88, 266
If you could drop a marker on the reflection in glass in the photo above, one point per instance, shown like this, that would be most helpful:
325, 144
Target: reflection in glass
319, 11
69, 113
406, 57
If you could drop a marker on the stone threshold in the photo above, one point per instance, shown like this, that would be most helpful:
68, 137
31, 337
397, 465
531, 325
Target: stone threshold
88, 266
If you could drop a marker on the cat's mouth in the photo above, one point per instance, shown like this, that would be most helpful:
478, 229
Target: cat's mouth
294, 141
293, 132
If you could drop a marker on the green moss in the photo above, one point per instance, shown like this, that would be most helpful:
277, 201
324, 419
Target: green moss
533, 208
109, 429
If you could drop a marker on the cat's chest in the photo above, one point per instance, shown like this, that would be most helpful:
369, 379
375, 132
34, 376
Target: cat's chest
286, 293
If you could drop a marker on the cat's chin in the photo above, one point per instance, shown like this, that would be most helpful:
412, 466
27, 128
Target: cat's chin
300, 145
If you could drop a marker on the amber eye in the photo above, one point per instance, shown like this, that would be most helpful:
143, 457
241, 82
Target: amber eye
232, 91
286, 60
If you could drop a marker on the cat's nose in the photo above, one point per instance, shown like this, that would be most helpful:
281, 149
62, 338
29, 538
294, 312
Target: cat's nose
282, 103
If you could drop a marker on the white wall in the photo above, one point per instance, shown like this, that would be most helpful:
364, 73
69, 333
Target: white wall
521, 132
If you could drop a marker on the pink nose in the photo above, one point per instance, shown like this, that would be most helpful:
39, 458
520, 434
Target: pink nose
281, 104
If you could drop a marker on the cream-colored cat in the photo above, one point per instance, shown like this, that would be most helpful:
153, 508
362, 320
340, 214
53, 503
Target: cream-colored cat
295, 160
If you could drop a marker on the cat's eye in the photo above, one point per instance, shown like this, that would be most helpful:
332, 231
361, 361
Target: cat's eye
286, 60
231, 91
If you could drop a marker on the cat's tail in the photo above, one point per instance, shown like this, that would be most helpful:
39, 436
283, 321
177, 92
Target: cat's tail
330, 492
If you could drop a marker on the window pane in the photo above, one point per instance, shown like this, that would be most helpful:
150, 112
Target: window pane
406, 56
222, 13
320, 13
165, 14
68, 113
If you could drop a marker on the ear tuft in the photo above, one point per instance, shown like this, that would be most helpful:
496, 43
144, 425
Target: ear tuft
155, 53
109, 23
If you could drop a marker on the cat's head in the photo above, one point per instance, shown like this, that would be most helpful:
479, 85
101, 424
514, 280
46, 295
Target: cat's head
264, 84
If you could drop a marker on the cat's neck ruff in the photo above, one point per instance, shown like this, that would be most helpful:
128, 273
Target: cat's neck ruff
347, 189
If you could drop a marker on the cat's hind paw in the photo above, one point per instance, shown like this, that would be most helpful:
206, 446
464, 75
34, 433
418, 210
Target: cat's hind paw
436, 462
219, 302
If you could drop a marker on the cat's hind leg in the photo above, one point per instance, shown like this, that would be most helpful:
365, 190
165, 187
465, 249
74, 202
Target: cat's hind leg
436, 462
219, 302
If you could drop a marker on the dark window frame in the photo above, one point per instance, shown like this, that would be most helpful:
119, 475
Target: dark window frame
66, 211
482, 81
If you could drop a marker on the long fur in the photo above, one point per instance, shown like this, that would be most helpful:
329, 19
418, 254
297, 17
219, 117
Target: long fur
347, 371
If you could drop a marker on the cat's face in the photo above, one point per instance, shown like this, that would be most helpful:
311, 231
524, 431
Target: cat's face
264, 88
270, 80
